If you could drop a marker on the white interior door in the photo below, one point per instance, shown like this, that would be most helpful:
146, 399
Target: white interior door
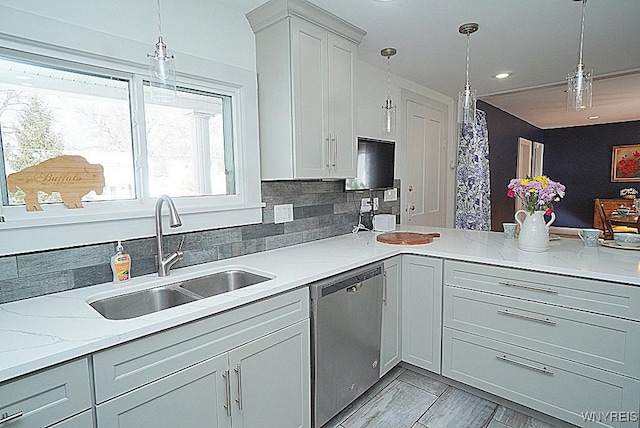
424, 185
537, 158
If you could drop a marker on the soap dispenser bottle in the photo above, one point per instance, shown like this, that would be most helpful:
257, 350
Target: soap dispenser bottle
121, 265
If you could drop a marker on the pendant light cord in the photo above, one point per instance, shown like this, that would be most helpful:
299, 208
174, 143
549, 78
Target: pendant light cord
388, 77
159, 21
467, 60
584, 7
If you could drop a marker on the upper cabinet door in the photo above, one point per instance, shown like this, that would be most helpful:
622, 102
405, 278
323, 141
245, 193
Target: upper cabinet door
342, 121
306, 62
311, 105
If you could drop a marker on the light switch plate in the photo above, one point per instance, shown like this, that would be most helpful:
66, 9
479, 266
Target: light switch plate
391, 195
282, 213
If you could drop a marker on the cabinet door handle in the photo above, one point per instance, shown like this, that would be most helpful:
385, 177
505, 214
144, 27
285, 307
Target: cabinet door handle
239, 377
526, 317
526, 365
529, 287
334, 140
8, 418
384, 289
328, 141
227, 391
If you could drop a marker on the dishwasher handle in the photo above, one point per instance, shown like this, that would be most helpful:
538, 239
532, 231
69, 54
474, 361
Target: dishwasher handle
351, 283
354, 288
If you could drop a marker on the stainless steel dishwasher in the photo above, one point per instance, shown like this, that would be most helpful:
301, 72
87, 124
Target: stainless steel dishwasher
346, 316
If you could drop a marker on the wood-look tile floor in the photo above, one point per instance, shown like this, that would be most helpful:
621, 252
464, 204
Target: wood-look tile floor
406, 399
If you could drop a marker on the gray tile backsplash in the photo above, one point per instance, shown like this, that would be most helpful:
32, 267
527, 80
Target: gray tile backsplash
321, 209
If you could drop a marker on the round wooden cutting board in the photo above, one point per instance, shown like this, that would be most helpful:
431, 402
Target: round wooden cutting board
407, 238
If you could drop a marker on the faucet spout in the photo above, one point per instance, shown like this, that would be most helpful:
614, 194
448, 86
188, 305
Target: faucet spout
166, 262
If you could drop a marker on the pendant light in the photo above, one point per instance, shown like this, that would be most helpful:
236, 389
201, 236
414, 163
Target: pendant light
162, 69
388, 109
467, 98
580, 82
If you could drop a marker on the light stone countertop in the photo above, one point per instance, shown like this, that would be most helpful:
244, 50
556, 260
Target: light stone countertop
42, 331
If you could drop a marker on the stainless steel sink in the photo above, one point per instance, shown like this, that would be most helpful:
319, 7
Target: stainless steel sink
144, 302
222, 282
140, 303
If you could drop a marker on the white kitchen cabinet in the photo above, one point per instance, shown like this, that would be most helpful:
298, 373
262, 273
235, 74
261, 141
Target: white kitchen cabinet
50, 397
241, 388
560, 345
249, 364
422, 311
306, 61
193, 397
271, 380
391, 332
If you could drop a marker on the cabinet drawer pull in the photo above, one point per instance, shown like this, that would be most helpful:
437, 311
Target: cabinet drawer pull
227, 391
528, 366
239, 377
6, 418
526, 317
529, 287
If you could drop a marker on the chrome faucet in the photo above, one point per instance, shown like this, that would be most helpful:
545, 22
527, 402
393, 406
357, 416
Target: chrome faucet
165, 262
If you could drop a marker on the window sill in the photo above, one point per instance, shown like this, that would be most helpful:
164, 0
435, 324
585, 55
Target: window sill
67, 228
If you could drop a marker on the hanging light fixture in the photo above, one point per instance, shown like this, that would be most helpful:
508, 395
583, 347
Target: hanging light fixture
162, 69
388, 109
467, 98
580, 82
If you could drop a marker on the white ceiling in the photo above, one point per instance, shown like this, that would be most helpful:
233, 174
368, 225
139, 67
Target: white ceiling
536, 40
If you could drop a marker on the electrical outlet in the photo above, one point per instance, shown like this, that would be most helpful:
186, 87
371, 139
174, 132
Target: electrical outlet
376, 204
391, 195
282, 213
365, 205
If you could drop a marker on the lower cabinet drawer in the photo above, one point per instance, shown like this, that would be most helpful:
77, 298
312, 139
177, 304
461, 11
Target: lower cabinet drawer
600, 341
47, 397
587, 294
560, 388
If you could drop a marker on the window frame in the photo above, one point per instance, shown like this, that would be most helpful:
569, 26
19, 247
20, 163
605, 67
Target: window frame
58, 226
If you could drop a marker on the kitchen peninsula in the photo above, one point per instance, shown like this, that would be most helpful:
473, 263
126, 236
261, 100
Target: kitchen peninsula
562, 325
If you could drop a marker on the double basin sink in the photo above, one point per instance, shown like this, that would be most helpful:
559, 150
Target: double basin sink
144, 302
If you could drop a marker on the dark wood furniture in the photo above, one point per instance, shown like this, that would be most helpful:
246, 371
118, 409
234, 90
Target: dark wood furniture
608, 205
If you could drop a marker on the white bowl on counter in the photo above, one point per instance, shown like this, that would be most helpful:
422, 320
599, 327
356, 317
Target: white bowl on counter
627, 239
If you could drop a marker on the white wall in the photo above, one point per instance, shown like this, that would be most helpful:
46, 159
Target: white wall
200, 28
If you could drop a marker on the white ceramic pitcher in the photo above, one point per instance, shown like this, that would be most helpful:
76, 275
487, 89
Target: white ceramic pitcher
534, 232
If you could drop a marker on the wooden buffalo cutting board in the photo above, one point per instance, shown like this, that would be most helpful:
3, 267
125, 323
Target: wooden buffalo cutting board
407, 238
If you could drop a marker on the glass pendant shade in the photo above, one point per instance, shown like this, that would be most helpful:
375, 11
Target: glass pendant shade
467, 106
162, 74
388, 117
162, 70
579, 85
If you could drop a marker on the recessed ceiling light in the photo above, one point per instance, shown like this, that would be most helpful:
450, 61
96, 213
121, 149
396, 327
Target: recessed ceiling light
502, 75
23, 77
26, 84
594, 117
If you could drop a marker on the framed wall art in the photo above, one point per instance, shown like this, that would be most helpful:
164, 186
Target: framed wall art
625, 163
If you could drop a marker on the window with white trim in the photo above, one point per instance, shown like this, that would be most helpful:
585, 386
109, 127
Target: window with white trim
53, 109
